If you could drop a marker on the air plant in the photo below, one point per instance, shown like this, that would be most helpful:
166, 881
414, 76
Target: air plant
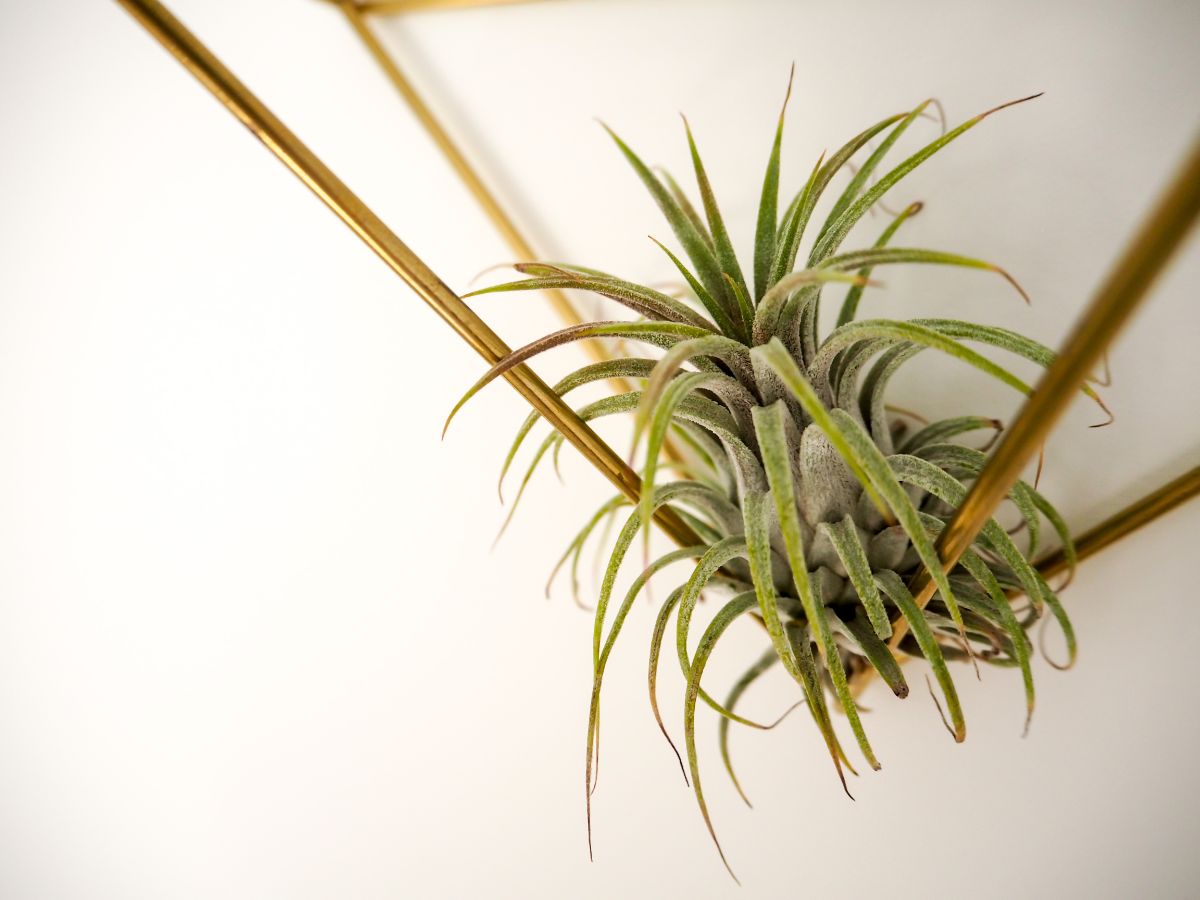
813, 502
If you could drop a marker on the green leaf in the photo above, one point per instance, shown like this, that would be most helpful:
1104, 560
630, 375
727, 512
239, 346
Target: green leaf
577, 543
742, 299
722, 245
758, 523
791, 229
734, 608
538, 456
1006, 340
887, 482
974, 564
714, 307
915, 332
890, 583
770, 425
698, 250
800, 638
737, 400
836, 232
872, 404
656, 638
863, 175
844, 381
848, 546
765, 233
660, 497
613, 368
776, 357
954, 458
854, 295
701, 352
1064, 533
602, 662
716, 556
1060, 616
660, 422
868, 464
642, 300
740, 687
878, 654
886, 256
685, 205
662, 334
948, 489
771, 307
801, 209
941, 431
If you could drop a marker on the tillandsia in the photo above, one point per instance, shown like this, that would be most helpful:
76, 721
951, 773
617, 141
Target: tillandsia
814, 503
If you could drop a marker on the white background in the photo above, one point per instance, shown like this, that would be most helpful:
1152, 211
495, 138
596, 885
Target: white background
252, 641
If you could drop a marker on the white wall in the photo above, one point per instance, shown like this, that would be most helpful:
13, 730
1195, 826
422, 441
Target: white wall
252, 641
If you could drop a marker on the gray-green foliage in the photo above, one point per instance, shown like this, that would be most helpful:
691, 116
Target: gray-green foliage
814, 505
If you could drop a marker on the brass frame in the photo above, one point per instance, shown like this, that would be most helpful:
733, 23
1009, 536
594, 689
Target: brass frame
1141, 512
356, 13
392, 7
1125, 287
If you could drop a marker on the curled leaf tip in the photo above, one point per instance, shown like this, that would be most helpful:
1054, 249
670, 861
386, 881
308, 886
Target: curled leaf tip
788, 93
1062, 667
996, 109
1016, 284
488, 270
960, 733
787, 712
937, 104
1111, 416
997, 429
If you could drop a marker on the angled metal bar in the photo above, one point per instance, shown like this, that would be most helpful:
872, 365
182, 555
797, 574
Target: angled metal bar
238, 99
1139, 513
1119, 295
354, 11
385, 7
471, 179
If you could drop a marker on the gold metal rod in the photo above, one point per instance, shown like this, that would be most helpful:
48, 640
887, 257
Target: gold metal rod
1130, 519
457, 159
384, 7
238, 99
472, 180
1125, 287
